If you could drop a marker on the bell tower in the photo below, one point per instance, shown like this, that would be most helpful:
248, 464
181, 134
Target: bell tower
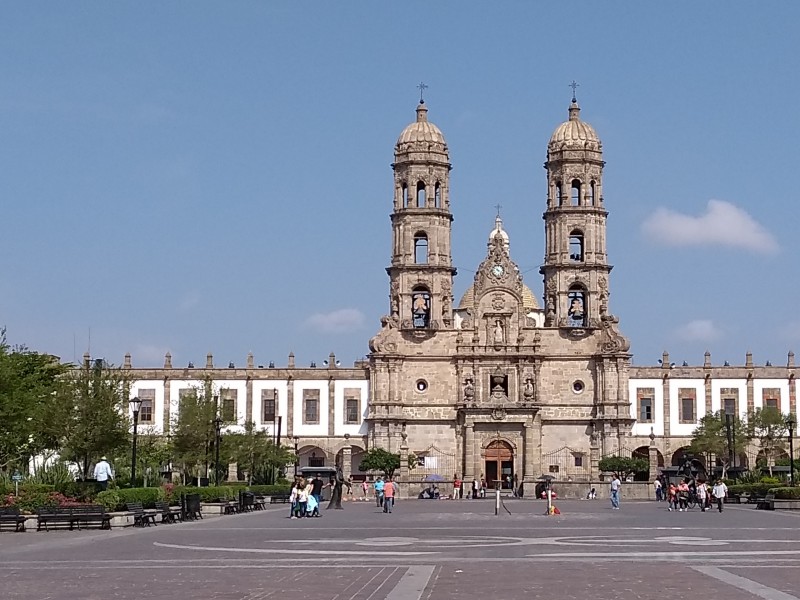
421, 272
576, 265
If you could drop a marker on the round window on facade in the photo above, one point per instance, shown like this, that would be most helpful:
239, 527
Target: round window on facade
422, 385
577, 386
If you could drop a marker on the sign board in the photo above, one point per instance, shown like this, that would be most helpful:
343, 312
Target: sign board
16, 477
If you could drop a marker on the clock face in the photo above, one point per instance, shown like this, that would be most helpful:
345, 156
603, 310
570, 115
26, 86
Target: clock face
497, 270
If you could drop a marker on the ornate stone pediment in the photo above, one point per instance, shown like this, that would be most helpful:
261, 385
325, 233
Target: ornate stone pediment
498, 271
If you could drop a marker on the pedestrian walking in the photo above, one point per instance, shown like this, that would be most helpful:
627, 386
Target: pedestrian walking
616, 484
364, 488
672, 497
683, 496
380, 485
476, 486
103, 473
316, 496
456, 487
702, 495
719, 492
515, 486
388, 496
658, 489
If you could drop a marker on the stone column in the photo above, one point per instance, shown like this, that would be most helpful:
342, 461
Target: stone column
332, 407
653, 456
527, 457
167, 401
289, 408
469, 445
347, 460
248, 398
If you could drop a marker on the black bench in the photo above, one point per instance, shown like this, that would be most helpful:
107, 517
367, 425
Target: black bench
279, 499
231, 508
259, 503
10, 515
169, 514
766, 503
140, 517
86, 515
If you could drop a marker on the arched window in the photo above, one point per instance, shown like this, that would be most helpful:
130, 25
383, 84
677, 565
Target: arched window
575, 196
559, 195
421, 307
438, 195
421, 248
592, 189
421, 198
405, 195
576, 246
576, 307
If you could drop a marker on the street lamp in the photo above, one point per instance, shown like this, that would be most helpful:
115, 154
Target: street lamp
296, 453
790, 423
136, 404
217, 441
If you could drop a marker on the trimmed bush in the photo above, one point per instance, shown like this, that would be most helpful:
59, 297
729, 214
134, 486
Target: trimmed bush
786, 493
271, 490
760, 489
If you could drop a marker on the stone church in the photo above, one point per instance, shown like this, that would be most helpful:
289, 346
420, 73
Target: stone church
496, 385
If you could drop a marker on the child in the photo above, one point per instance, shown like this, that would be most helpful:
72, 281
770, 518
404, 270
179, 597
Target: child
672, 496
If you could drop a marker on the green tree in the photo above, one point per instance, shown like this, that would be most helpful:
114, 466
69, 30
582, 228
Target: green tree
96, 423
768, 426
32, 409
193, 432
711, 438
624, 465
153, 451
256, 453
379, 459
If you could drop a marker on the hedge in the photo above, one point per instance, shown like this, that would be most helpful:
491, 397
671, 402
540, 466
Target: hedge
786, 493
760, 489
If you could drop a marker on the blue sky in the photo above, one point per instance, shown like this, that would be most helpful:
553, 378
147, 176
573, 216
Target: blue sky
214, 177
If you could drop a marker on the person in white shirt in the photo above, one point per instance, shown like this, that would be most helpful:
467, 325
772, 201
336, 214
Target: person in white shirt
719, 492
616, 484
103, 473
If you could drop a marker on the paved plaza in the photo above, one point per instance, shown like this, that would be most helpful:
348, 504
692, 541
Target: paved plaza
425, 549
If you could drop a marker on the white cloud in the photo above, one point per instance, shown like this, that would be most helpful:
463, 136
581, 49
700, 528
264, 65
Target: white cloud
699, 330
342, 320
723, 224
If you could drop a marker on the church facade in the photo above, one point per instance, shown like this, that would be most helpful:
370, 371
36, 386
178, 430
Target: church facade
498, 384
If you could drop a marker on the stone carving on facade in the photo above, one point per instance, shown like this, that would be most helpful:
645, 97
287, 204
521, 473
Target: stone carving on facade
527, 390
498, 414
498, 301
387, 339
469, 391
498, 335
498, 270
613, 341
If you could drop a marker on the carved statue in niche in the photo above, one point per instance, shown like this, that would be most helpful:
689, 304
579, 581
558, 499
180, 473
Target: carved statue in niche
527, 391
498, 336
469, 391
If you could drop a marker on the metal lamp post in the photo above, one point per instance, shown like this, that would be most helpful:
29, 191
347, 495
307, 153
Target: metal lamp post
136, 404
296, 453
217, 441
790, 423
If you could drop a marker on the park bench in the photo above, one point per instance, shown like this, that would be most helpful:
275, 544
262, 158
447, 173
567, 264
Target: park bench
259, 503
279, 499
10, 515
231, 508
169, 514
140, 517
86, 515
767, 503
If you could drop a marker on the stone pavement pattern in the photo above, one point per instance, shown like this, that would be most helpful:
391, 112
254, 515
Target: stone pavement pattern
424, 550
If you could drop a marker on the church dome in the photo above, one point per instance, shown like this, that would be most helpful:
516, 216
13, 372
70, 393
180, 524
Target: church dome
421, 130
528, 299
574, 132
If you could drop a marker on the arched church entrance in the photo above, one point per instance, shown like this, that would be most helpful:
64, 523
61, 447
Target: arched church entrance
499, 463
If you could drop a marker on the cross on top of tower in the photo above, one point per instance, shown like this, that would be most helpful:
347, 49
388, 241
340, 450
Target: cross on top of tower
498, 207
421, 87
574, 85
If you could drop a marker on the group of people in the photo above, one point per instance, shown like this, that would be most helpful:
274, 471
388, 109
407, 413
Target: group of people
678, 495
306, 496
385, 493
477, 488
